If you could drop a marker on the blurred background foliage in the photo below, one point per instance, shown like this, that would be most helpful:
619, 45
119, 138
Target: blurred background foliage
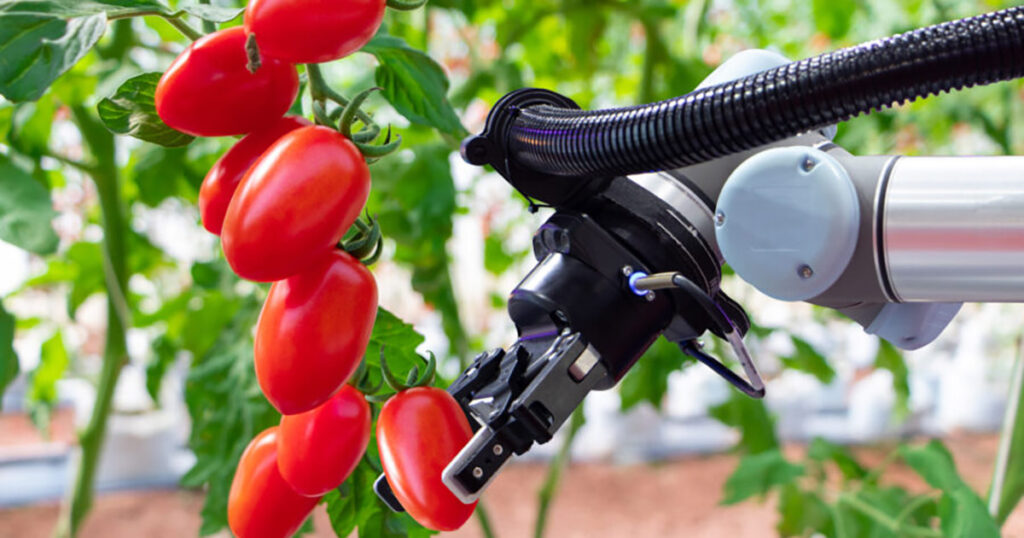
181, 304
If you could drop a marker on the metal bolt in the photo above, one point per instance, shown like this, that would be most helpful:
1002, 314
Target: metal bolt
477, 472
649, 296
805, 271
627, 270
699, 344
719, 218
498, 450
808, 164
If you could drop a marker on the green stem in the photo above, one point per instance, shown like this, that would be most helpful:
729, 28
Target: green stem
1006, 439
115, 355
485, 521
174, 21
547, 491
184, 28
320, 91
208, 26
890, 523
651, 56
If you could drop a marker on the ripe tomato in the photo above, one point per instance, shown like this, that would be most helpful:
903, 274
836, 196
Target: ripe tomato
208, 91
294, 204
221, 181
261, 504
329, 29
419, 431
313, 331
318, 449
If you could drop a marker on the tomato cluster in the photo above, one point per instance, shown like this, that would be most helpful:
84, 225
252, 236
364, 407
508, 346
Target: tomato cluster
283, 200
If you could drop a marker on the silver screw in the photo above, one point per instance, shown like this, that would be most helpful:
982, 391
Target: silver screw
498, 450
805, 271
627, 270
700, 344
649, 296
719, 218
477, 472
808, 164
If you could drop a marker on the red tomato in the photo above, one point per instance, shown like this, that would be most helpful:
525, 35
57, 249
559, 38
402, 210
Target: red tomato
329, 29
222, 180
261, 504
419, 431
313, 331
320, 448
294, 204
208, 91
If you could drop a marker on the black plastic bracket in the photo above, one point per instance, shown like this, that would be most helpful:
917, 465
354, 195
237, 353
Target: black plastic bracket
491, 147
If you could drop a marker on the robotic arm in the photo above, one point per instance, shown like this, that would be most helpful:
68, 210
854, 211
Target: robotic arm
650, 201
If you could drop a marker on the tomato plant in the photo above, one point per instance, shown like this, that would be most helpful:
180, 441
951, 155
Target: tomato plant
261, 504
294, 204
209, 91
222, 180
312, 332
320, 448
78, 78
330, 29
419, 431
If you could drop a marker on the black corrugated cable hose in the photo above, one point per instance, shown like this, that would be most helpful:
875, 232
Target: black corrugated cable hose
772, 105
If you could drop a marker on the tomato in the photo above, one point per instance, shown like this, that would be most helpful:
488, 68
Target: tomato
294, 204
221, 181
261, 504
318, 449
208, 91
329, 29
419, 431
313, 331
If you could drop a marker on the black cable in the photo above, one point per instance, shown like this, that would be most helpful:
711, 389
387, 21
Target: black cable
771, 105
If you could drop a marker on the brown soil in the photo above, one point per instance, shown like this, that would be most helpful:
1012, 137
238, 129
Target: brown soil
678, 498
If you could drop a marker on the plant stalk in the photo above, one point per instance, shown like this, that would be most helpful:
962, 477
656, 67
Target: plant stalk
208, 26
550, 487
1016, 394
485, 521
115, 355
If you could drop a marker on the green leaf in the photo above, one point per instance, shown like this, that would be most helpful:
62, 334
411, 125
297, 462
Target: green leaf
414, 200
82, 267
962, 512
76, 8
31, 126
934, 463
800, 511
821, 450
964, 515
210, 13
1013, 434
42, 393
757, 474
26, 211
834, 17
132, 111
9, 366
158, 172
227, 410
807, 359
399, 341
496, 259
890, 358
164, 353
414, 84
750, 416
647, 380
39, 48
